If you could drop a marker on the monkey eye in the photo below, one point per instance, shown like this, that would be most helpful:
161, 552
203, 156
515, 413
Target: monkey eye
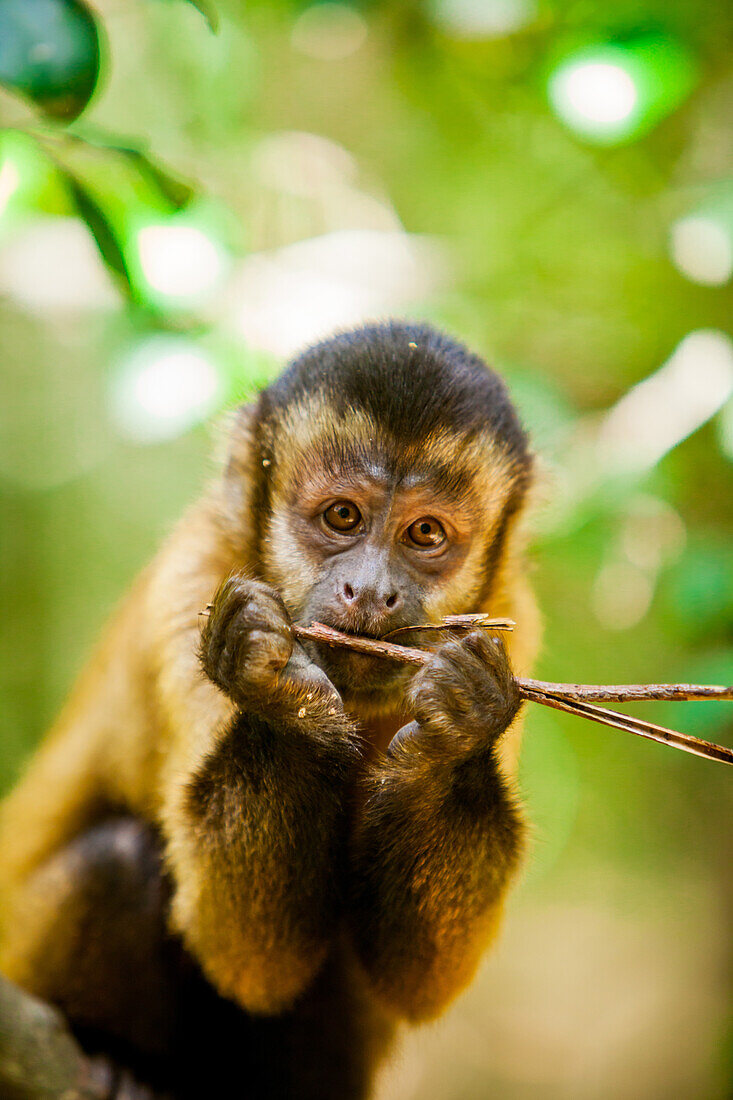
342, 516
426, 533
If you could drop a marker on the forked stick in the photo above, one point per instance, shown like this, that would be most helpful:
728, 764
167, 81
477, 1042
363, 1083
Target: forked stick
638, 726
573, 698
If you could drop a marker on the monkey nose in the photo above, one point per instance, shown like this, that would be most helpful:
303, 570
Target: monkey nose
369, 600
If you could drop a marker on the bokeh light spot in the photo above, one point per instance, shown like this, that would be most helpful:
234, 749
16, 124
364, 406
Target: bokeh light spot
702, 249
329, 32
483, 18
166, 386
653, 533
9, 183
662, 410
180, 262
51, 265
592, 95
622, 595
613, 91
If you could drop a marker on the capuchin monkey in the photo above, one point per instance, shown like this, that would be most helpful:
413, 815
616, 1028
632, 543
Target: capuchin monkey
239, 861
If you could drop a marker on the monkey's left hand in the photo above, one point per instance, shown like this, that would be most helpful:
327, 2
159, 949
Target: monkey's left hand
465, 696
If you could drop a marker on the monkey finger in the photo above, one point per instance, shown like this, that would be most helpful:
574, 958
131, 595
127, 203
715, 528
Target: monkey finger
265, 601
468, 684
493, 656
305, 677
264, 653
405, 737
251, 600
456, 668
483, 644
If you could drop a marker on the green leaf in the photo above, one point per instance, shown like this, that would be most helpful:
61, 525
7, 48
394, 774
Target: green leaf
209, 12
103, 233
115, 189
208, 9
174, 190
121, 177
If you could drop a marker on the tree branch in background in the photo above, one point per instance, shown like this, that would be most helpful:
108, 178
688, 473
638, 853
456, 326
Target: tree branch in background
41, 1060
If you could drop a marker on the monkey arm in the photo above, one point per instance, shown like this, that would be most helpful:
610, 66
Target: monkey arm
255, 840
248, 804
433, 856
253, 812
436, 844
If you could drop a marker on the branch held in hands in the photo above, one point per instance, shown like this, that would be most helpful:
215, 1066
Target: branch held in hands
578, 699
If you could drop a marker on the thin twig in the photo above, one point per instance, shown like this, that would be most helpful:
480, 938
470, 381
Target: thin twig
378, 647
457, 622
631, 693
573, 698
319, 632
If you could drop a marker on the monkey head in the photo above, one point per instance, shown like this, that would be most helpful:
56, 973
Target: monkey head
389, 464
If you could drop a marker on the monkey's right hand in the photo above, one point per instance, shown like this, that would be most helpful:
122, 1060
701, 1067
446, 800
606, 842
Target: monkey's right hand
248, 650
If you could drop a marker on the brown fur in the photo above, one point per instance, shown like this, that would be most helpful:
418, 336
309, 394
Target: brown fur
299, 868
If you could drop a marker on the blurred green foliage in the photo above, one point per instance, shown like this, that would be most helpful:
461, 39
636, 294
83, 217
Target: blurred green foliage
296, 123
49, 49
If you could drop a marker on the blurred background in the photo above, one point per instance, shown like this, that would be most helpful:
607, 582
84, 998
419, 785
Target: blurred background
190, 192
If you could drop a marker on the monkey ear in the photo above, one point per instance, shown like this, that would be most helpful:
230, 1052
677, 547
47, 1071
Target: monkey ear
237, 453
241, 446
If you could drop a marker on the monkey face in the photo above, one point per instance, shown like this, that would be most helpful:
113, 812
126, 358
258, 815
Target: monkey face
369, 545
388, 466
381, 547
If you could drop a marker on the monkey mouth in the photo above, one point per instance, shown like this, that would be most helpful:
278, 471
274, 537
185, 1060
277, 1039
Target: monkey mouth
352, 672
358, 632
360, 629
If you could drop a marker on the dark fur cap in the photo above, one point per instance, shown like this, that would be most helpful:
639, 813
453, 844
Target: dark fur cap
408, 378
